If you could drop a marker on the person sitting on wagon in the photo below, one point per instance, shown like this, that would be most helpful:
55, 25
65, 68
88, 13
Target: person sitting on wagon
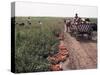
76, 19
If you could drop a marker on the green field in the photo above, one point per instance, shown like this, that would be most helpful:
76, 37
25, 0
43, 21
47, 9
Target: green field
35, 42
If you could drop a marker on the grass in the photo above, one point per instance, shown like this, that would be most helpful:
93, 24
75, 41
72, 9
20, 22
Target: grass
35, 42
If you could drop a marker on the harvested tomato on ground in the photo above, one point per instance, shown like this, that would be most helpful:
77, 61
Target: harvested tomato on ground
56, 67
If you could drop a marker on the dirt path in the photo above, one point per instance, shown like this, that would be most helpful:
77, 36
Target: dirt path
90, 49
82, 55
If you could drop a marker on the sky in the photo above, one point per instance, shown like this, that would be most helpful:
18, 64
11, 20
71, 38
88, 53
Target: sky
54, 10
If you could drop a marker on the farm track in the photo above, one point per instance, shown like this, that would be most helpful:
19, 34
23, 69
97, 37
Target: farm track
82, 55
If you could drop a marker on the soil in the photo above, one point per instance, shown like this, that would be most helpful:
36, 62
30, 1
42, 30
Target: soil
82, 53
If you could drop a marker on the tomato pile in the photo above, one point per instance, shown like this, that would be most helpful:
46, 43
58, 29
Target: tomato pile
60, 56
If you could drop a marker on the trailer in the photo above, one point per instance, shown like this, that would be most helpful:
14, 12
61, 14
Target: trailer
82, 29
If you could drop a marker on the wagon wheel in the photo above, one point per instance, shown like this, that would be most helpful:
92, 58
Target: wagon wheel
94, 35
90, 36
76, 34
72, 33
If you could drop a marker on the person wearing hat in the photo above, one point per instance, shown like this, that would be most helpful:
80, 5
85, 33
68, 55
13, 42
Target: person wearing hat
76, 19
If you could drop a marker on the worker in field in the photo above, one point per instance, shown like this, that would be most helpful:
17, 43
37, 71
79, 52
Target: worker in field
29, 20
40, 22
67, 24
65, 27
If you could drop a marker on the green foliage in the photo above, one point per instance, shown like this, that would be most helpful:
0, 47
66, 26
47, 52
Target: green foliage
34, 43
